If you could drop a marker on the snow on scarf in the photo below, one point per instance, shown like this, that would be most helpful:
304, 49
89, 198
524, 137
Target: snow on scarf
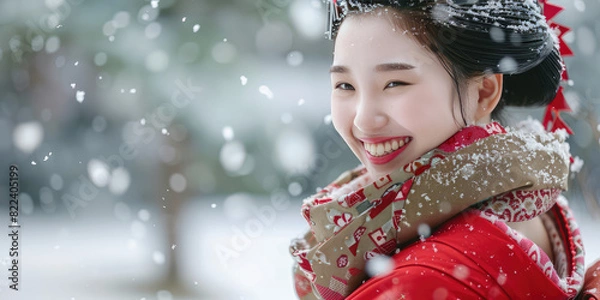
513, 174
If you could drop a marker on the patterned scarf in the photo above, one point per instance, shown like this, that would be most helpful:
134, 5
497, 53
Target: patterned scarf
513, 174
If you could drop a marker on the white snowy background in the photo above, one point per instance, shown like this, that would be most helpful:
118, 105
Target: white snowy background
164, 146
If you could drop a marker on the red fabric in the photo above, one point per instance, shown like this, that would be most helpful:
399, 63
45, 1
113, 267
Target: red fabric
591, 286
565, 50
553, 113
551, 10
467, 258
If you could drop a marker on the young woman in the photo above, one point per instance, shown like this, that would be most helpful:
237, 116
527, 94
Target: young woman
416, 85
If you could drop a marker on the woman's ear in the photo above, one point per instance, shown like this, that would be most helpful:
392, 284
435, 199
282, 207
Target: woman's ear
490, 92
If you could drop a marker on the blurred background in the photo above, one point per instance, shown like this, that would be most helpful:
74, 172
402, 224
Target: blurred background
164, 146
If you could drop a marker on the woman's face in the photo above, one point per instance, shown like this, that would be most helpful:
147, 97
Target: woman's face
392, 100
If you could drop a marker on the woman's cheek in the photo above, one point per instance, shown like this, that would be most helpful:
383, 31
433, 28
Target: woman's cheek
338, 117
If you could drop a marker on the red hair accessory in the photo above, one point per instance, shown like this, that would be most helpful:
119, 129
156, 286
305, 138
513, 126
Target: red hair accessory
552, 120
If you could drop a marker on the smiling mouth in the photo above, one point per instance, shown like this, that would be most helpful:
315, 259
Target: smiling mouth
386, 148
384, 152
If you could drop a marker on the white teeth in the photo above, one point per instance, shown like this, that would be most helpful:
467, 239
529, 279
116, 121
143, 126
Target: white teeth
385, 148
380, 150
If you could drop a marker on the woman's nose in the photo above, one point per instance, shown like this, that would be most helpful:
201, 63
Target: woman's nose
370, 116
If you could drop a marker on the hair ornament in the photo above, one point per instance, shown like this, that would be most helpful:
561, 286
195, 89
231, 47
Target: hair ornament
552, 120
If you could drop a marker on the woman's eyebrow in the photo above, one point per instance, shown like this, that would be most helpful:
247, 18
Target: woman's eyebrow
379, 68
339, 69
393, 67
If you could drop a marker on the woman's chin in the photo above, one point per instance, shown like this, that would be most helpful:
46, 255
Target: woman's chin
379, 172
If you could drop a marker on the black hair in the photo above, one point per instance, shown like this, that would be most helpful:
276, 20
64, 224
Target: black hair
478, 37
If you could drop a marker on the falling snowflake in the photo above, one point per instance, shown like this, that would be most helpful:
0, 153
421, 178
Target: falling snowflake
158, 257
501, 278
424, 230
263, 89
178, 182
295, 189
576, 165
119, 181
183, 19
295, 58
228, 133
99, 172
497, 35
144, 215
379, 265
232, 156
80, 95
461, 272
28, 136
243, 79
508, 65
196, 28
579, 5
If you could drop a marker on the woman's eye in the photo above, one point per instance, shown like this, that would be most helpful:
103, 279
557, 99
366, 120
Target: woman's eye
395, 84
344, 86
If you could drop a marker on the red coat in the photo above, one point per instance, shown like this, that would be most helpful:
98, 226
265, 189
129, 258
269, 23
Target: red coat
468, 257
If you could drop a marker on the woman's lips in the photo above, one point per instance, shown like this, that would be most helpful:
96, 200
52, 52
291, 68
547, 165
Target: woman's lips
383, 150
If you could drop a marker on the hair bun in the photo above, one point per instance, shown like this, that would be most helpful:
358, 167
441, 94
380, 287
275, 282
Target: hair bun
513, 34
535, 87
509, 37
